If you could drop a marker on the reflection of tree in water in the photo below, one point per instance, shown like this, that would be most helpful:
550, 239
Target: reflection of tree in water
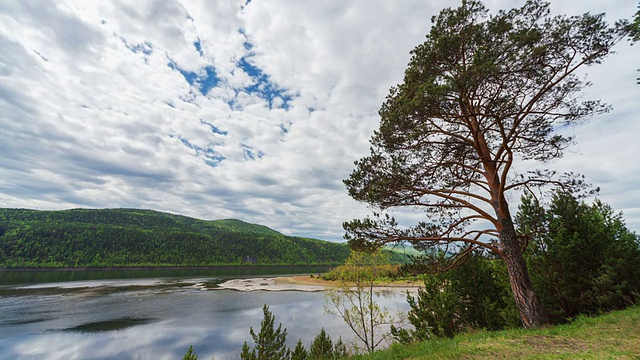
385, 293
110, 325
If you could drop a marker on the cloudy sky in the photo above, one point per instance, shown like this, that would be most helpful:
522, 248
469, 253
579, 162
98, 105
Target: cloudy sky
226, 109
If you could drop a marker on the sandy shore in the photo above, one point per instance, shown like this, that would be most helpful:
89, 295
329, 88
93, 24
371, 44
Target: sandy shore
304, 283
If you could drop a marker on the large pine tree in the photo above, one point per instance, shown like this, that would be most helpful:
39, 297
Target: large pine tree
481, 94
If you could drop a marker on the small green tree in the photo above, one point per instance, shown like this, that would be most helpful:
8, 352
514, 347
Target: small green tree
299, 352
246, 353
340, 350
475, 294
354, 300
321, 347
190, 355
435, 312
483, 288
270, 343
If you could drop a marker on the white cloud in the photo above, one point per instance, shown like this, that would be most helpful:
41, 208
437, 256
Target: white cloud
93, 115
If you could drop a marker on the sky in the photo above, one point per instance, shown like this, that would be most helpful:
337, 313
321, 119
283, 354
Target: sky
254, 110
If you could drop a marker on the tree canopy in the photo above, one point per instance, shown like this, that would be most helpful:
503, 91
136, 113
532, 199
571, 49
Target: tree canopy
634, 29
635, 26
481, 94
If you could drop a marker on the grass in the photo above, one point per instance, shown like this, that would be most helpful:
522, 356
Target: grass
612, 336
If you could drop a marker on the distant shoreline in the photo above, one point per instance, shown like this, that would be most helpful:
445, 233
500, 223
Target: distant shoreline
120, 268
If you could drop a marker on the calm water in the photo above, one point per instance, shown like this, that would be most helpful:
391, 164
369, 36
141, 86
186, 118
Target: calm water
150, 315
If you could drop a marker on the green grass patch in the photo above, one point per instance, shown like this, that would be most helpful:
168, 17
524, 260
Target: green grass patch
612, 336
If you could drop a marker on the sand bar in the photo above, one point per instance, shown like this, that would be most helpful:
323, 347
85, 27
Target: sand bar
304, 283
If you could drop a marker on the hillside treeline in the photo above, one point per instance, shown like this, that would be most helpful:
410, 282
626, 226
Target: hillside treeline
131, 237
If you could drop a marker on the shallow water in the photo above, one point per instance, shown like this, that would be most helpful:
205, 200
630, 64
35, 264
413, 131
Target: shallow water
152, 318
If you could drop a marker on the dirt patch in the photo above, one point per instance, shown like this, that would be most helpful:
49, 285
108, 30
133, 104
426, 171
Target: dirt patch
546, 344
303, 280
308, 280
304, 283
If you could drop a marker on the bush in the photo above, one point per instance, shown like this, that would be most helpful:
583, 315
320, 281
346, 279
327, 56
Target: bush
473, 295
384, 273
582, 258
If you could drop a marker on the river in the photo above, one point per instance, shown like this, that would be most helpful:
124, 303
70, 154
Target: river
151, 314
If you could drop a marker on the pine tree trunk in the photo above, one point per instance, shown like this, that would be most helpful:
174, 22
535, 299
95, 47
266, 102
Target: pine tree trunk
532, 313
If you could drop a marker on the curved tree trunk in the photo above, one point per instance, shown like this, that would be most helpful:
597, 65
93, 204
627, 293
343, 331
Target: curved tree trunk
532, 313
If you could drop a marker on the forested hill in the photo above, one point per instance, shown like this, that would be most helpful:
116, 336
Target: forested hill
131, 237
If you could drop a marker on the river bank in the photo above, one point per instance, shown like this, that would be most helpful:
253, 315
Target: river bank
11, 277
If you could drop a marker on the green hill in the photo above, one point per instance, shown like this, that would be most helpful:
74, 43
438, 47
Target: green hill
131, 237
235, 225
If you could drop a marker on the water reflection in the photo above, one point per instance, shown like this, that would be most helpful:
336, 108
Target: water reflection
153, 319
110, 325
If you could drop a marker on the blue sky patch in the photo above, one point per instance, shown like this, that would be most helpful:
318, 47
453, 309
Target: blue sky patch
214, 129
211, 157
205, 81
209, 80
246, 3
190, 76
198, 46
145, 48
263, 87
250, 154
247, 45
284, 128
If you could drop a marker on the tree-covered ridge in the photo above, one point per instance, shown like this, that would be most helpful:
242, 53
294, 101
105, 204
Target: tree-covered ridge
236, 225
132, 237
